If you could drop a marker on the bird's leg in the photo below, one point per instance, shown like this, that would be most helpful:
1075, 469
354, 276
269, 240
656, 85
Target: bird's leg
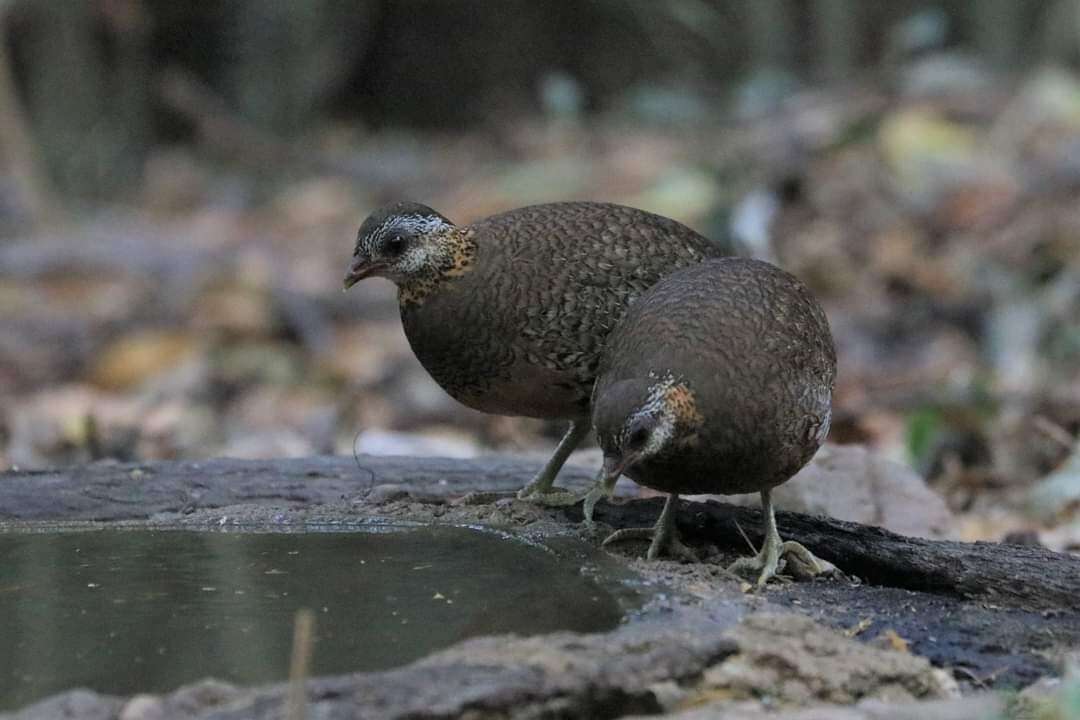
604, 487
766, 562
542, 489
664, 536
768, 558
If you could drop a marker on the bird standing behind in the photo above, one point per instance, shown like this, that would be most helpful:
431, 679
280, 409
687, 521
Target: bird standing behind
717, 380
510, 313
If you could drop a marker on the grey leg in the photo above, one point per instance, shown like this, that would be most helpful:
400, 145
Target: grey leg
664, 536
542, 489
767, 561
602, 488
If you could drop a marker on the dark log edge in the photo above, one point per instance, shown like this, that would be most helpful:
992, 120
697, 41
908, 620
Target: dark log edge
1021, 576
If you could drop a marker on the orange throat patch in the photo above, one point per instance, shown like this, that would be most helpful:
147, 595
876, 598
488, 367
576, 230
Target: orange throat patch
455, 257
680, 399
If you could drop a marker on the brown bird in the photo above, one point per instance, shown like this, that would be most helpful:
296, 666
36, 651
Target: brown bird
509, 314
717, 380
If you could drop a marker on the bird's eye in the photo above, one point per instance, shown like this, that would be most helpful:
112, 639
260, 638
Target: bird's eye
395, 246
637, 439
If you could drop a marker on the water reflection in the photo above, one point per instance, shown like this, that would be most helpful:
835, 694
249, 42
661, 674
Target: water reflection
130, 611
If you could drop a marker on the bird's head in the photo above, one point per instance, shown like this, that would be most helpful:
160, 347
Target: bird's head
638, 420
401, 242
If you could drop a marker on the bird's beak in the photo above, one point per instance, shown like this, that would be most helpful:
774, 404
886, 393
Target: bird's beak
614, 466
360, 268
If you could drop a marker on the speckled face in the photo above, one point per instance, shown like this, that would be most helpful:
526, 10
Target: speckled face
667, 416
399, 242
651, 427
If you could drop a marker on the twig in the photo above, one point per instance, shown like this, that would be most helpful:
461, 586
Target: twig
1052, 430
362, 468
300, 665
744, 537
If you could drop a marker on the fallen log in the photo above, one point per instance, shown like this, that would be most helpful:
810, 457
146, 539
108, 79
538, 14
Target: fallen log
1023, 576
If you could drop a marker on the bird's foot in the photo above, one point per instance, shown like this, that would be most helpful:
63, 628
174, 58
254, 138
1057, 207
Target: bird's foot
603, 488
661, 542
764, 565
799, 563
550, 496
597, 493
481, 497
542, 489
802, 564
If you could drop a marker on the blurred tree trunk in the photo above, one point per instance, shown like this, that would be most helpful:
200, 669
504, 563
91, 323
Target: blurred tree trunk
17, 144
65, 92
837, 27
771, 34
998, 28
291, 56
130, 89
1059, 31
86, 71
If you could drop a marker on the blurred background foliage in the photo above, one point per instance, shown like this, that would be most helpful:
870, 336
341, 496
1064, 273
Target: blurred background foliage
180, 184
104, 82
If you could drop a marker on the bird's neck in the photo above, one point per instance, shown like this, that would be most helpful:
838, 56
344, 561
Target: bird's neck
450, 254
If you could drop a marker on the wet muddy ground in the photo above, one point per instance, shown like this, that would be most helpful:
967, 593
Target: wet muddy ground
842, 640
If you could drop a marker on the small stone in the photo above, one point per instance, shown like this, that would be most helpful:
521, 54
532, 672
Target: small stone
143, 707
792, 658
81, 704
205, 694
669, 694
